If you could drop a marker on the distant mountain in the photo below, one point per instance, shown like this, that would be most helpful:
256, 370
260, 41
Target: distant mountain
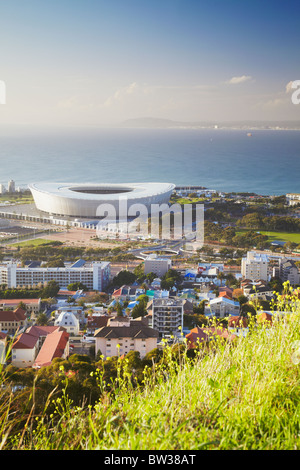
149, 122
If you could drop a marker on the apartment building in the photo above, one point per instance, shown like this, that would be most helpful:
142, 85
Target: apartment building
122, 335
221, 307
157, 265
255, 266
12, 321
167, 316
95, 276
288, 271
32, 305
293, 199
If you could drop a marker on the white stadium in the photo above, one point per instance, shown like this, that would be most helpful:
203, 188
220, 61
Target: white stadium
83, 200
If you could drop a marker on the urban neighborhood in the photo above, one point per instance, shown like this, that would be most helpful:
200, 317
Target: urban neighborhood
138, 300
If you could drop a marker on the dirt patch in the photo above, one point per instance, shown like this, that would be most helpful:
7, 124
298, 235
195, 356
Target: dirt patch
81, 237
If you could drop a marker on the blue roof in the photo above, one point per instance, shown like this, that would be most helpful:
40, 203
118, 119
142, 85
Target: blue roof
78, 264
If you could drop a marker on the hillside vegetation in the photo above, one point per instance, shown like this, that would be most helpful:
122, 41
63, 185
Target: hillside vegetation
240, 395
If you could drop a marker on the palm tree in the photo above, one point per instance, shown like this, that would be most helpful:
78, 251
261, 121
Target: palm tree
221, 276
42, 319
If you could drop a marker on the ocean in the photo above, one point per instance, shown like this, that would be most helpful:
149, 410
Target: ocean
266, 163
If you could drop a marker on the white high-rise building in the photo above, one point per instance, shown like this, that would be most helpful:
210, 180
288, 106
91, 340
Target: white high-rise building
11, 186
157, 265
255, 266
288, 271
167, 316
94, 276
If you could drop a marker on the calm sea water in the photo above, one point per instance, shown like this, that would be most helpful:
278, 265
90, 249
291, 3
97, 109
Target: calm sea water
226, 160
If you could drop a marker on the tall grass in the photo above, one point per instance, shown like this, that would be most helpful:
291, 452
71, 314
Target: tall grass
236, 395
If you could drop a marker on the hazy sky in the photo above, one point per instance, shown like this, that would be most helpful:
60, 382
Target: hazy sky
91, 62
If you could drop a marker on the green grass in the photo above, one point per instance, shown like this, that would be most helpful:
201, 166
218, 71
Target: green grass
282, 236
17, 198
277, 236
241, 396
33, 242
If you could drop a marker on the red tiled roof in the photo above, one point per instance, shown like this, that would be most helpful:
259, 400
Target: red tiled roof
200, 335
12, 315
29, 339
224, 294
38, 331
97, 321
265, 317
235, 321
53, 346
117, 292
20, 313
25, 341
66, 292
17, 301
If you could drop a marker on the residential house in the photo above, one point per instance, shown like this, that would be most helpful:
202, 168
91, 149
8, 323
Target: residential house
28, 345
24, 350
205, 335
78, 312
56, 345
224, 295
258, 289
265, 317
237, 321
238, 325
221, 307
12, 321
94, 322
68, 320
127, 293
188, 307
155, 284
122, 334
225, 290
3, 339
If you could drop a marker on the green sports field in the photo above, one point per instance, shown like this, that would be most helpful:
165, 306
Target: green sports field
278, 236
33, 242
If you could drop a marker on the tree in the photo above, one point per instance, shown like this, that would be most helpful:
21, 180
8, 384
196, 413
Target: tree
50, 290
247, 309
231, 280
237, 292
77, 286
42, 319
144, 298
150, 277
124, 277
221, 276
55, 263
170, 279
119, 310
242, 299
139, 310
22, 306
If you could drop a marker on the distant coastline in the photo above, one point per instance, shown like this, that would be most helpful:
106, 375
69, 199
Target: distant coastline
152, 123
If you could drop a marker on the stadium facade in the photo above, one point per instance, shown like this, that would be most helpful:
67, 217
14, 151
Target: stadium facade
83, 200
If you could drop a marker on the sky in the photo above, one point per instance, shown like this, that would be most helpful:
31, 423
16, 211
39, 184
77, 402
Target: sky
99, 62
